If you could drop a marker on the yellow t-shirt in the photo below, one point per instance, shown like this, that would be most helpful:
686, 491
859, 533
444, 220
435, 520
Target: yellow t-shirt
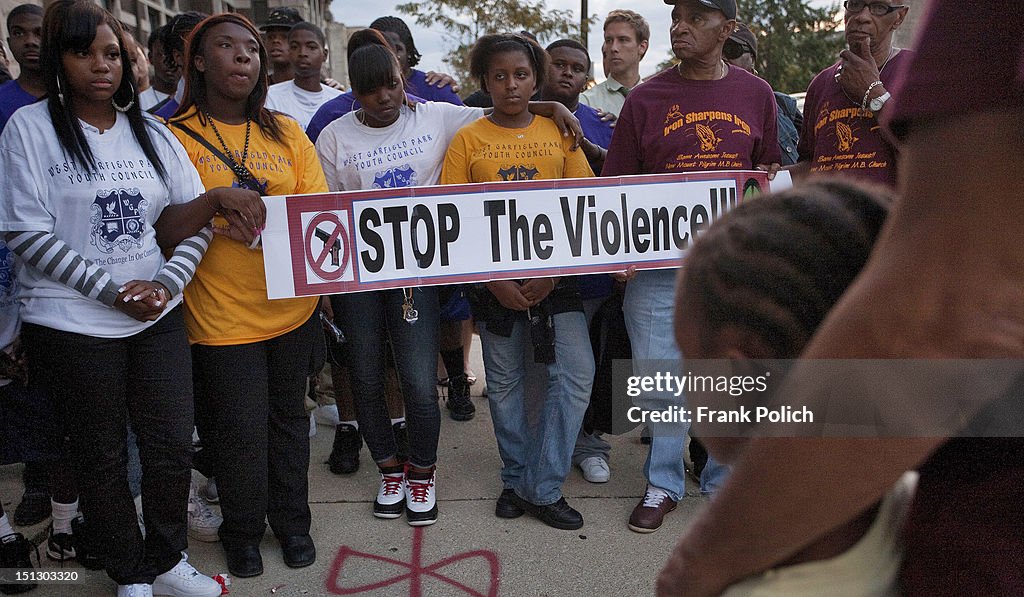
485, 152
226, 303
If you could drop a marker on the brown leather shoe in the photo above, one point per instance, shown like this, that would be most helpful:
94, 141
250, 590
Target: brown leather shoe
650, 512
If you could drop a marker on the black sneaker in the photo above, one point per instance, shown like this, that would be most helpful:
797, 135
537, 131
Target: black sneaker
459, 405
60, 547
344, 458
402, 440
87, 552
14, 553
34, 507
559, 515
508, 505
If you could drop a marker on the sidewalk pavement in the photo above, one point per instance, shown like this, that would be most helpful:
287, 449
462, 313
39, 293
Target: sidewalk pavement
468, 551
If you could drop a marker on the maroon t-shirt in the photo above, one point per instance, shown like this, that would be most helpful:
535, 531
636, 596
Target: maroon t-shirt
672, 124
839, 137
970, 58
965, 532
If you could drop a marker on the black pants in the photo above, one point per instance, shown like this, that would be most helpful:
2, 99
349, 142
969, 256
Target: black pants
98, 386
254, 396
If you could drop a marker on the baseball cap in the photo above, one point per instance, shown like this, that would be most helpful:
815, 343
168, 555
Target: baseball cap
744, 36
282, 17
726, 6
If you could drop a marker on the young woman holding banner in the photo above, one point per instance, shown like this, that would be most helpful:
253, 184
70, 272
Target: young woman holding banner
92, 195
409, 317
252, 355
515, 316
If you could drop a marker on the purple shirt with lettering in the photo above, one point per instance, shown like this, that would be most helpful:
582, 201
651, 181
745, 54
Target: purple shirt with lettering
840, 138
671, 124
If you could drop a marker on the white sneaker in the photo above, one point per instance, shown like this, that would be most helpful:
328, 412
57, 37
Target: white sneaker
185, 581
595, 469
390, 502
139, 590
421, 500
203, 522
210, 491
327, 415
312, 424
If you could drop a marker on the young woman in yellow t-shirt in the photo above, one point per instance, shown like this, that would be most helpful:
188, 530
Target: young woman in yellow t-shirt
251, 355
542, 316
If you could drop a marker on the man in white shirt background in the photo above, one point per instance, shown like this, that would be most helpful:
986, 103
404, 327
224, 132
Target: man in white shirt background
302, 96
626, 36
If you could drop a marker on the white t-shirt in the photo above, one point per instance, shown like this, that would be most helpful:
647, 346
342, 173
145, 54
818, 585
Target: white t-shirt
106, 214
150, 97
407, 153
298, 103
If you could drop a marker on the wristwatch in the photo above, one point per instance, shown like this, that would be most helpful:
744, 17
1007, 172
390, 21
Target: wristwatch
876, 104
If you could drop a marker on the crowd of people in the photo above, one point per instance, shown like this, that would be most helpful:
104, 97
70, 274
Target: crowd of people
137, 341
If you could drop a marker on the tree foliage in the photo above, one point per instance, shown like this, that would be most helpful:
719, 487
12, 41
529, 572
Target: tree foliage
795, 41
465, 21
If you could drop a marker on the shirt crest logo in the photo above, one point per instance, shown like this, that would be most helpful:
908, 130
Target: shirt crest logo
118, 220
518, 172
8, 281
402, 176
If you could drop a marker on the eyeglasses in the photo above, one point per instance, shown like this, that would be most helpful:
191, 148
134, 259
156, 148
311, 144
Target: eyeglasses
878, 9
734, 49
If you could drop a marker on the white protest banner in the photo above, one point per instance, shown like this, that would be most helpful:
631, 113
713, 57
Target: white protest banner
420, 236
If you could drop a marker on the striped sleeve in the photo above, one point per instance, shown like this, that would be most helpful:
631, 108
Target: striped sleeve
59, 262
181, 267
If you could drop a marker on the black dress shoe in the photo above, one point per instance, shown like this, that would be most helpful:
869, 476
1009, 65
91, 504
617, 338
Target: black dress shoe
508, 505
299, 550
559, 515
244, 561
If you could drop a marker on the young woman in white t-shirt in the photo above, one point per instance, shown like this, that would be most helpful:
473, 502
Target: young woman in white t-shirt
392, 142
89, 182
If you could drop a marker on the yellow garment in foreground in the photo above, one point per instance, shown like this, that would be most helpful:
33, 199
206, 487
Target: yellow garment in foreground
226, 303
485, 152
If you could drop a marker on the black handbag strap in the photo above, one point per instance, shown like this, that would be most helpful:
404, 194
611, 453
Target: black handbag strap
249, 180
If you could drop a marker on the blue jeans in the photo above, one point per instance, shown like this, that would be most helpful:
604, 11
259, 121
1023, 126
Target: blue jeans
369, 319
649, 307
537, 409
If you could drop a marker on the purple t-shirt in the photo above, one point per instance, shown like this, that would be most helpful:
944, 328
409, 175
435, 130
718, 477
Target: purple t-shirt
840, 138
417, 85
671, 124
12, 97
965, 531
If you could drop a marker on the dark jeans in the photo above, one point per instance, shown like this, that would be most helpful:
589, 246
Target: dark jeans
253, 395
369, 320
98, 386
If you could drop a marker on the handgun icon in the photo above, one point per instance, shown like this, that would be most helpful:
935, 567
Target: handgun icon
335, 248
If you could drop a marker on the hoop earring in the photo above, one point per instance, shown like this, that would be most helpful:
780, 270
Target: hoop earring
131, 102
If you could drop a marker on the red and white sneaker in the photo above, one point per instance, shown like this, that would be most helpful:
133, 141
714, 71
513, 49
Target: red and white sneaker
390, 502
421, 497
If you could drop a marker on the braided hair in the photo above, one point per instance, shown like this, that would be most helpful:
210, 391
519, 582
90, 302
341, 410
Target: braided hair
777, 265
398, 27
